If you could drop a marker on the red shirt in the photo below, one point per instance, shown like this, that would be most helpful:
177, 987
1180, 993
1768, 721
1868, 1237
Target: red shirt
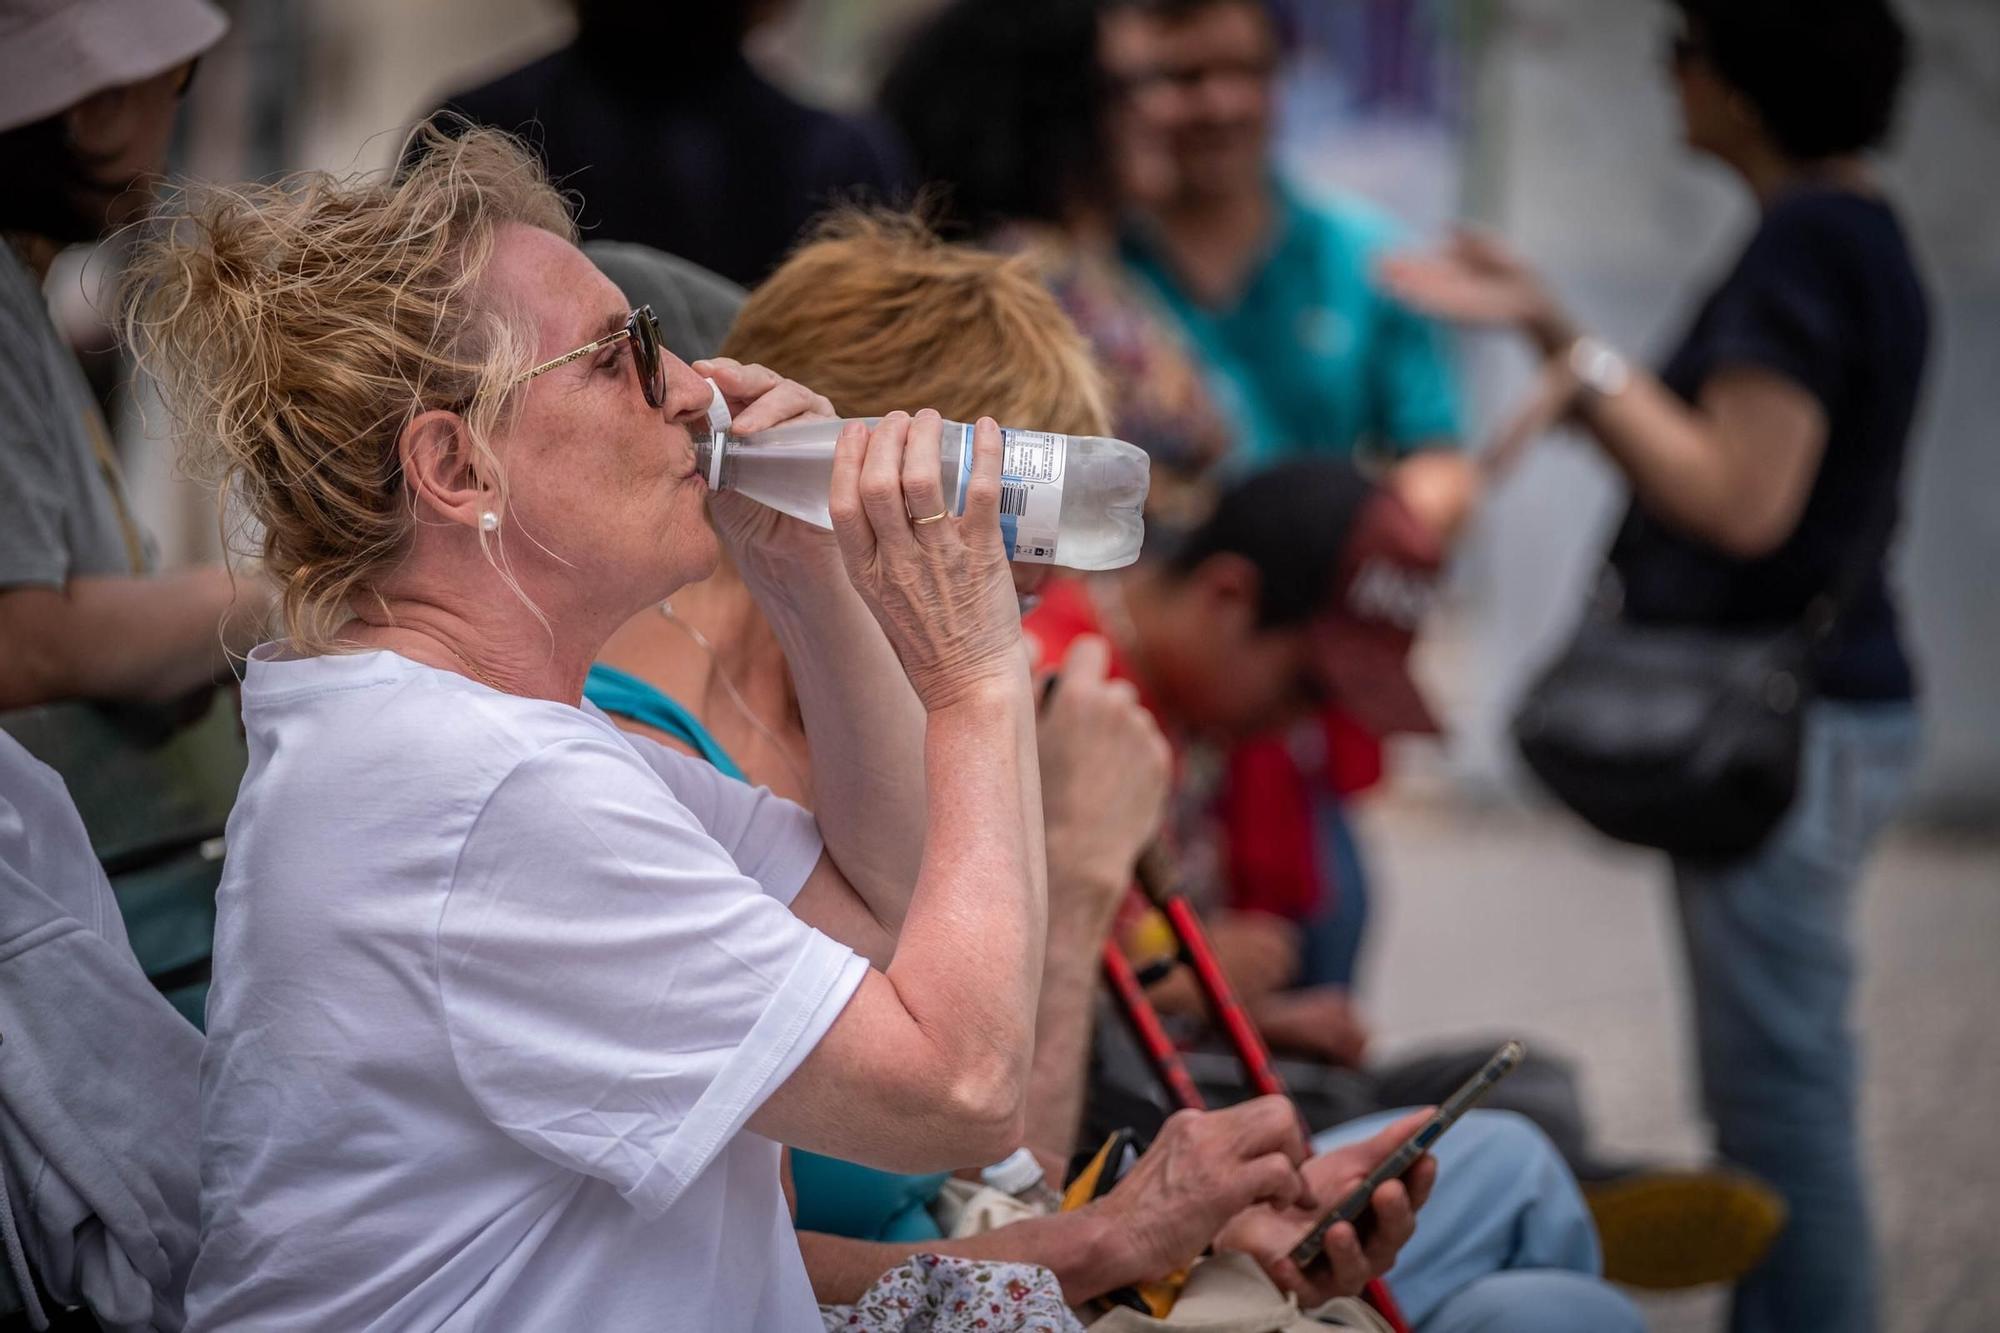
1265, 806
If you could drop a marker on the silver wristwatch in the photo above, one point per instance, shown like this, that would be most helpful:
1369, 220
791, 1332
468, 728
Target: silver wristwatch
1600, 372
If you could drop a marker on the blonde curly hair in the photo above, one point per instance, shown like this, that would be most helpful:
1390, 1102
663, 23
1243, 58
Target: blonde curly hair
293, 330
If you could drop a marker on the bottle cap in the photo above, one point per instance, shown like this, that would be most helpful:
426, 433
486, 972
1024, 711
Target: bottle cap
1019, 1170
719, 419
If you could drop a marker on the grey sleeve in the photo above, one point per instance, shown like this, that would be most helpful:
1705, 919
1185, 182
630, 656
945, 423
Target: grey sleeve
32, 549
694, 306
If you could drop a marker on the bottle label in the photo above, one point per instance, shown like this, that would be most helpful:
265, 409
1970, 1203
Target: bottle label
1031, 486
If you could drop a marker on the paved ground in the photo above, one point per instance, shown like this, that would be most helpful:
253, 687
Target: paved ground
1501, 918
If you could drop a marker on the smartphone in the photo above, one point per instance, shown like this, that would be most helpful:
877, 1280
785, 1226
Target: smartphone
1355, 1206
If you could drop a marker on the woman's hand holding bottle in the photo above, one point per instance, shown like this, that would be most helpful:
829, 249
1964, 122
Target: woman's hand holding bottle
937, 584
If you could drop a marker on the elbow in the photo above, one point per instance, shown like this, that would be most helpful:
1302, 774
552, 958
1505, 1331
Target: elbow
991, 1115
1751, 532
1750, 517
30, 677
974, 1115
38, 664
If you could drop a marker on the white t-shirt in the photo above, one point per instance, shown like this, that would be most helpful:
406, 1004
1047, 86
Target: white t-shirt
496, 988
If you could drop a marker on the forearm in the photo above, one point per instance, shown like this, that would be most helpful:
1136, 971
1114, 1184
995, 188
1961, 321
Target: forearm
141, 639
1661, 447
968, 962
1646, 430
1063, 1023
864, 725
1077, 1247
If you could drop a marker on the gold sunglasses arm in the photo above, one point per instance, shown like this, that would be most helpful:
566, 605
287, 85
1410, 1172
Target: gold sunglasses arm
577, 355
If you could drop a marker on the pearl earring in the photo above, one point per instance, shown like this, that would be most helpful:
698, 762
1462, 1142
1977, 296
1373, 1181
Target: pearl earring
489, 522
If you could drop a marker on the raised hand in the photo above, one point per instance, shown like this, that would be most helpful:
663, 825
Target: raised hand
1105, 773
758, 399
1475, 278
938, 585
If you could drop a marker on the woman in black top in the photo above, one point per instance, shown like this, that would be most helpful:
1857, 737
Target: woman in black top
1765, 461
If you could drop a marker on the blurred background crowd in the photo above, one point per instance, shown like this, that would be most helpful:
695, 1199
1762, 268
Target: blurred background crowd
1551, 122
1531, 116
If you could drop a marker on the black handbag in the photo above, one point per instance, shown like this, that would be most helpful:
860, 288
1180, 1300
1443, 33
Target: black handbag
1686, 738
1677, 737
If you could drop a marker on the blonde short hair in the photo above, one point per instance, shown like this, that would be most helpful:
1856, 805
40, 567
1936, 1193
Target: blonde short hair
877, 313
294, 329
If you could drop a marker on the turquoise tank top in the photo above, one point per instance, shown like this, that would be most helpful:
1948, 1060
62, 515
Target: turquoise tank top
835, 1197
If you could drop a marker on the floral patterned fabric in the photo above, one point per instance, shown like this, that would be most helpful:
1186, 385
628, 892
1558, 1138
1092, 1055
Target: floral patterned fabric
934, 1293
1160, 398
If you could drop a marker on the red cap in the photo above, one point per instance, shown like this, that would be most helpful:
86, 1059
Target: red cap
1388, 582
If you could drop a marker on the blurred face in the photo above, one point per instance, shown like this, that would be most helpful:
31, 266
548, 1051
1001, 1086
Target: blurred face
1711, 120
1221, 61
123, 134
1144, 111
1219, 673
603, 497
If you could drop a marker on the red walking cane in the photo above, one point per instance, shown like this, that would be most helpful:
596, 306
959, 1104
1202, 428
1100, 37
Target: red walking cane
1159, 879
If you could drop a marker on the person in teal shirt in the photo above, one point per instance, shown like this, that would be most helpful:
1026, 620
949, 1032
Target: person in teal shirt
1276, 293
1310, 356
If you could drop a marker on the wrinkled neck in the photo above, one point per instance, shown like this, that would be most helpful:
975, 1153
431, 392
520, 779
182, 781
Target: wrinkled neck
482, 630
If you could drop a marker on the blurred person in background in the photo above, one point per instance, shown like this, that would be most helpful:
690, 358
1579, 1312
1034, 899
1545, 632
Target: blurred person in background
674, 141
1045, 153
108, 664
1276, 290
1770, 447
89, 91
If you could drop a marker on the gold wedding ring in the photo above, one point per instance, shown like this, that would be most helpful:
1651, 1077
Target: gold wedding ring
942, 513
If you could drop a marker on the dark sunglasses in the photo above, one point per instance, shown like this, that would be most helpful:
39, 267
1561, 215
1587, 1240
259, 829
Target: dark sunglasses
643, 332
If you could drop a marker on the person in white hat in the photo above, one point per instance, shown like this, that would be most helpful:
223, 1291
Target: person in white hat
89, 90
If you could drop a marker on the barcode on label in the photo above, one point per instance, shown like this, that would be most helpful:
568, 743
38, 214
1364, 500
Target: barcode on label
1013, 500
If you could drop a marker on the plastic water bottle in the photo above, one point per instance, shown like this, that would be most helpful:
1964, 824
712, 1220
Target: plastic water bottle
1020, 1174
1071, 500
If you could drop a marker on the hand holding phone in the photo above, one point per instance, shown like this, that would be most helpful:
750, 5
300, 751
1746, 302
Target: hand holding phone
1354, 1206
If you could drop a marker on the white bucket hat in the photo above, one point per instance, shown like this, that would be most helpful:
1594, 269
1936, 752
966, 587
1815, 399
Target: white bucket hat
55, 53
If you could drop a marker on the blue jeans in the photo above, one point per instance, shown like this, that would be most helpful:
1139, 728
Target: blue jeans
1771, 961
1505, 1242
1333, 935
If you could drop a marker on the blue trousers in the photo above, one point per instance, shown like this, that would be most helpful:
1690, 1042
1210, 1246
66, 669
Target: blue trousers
1505, 1244
1771, 961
